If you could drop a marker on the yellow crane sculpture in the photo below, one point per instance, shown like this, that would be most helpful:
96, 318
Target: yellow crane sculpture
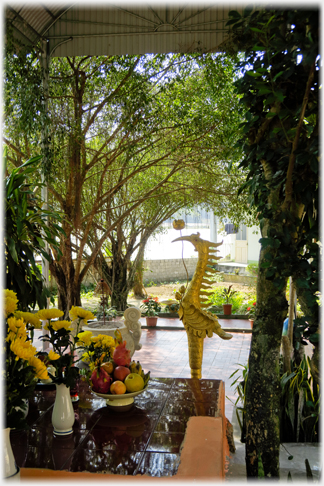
198, 322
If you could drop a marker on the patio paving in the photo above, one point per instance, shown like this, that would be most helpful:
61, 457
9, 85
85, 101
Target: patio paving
165, 353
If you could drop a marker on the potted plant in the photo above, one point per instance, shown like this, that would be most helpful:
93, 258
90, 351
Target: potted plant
227, 294
151, 307
171, 306
250, 311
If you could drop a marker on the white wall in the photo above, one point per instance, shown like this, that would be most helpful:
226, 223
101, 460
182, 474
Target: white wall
253, 243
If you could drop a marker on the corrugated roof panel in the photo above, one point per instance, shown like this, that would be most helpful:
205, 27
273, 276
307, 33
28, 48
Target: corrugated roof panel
101, 30
141, 30
31, 20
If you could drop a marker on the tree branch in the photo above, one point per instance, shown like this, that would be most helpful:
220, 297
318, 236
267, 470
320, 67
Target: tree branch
292, 158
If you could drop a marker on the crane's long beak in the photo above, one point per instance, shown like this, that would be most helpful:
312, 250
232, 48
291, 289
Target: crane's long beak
182, 238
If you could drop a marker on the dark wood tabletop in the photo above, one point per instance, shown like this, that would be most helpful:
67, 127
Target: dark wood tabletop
144, 440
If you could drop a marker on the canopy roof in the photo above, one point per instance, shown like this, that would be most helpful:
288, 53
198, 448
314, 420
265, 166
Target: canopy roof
78, 29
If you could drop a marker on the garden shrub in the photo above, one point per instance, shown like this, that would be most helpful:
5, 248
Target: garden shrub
216, 298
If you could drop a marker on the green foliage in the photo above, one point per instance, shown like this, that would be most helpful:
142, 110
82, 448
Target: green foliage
228, 294
26, 234
278, 81
217, 277
134, 138
172, 307
24, 106
87, 290
108, 312
240, 402
252, 269
300, 406
216, 298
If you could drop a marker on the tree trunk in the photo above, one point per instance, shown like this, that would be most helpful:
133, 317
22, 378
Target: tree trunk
263, 384
115, 274
68, 287
138, 287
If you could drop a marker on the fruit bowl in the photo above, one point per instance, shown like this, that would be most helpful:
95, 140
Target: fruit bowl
120, 403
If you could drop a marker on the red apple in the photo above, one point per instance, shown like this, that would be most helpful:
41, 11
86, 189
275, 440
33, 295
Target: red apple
121, 372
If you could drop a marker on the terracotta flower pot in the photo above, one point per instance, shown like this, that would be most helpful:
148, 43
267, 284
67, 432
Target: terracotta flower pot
251, 322
227, 309
151, 321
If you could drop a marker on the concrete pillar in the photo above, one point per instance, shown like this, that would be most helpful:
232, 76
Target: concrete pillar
213, 227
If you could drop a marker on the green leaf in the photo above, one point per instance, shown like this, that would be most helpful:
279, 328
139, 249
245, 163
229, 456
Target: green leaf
253, 74
277, 76
314, 338
12, 248
235, 14
279, 95
263, 91
255, 29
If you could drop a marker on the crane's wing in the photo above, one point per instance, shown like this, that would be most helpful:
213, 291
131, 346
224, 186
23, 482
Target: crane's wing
201, 323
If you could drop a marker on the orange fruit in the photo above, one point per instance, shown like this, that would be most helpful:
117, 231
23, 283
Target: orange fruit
117, 388
108, 367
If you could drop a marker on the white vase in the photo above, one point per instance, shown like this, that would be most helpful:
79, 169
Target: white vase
11, 470
63, 412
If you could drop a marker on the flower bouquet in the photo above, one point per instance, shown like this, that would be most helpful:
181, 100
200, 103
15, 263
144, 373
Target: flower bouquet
63, 337
22, 367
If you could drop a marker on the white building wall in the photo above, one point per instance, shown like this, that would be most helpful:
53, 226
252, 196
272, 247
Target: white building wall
253, 236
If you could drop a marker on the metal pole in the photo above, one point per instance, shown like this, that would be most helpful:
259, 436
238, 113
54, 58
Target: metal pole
45, 59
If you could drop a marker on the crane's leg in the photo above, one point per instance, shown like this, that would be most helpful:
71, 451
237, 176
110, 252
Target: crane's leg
196, 349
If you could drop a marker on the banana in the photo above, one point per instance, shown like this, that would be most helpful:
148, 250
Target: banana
138, 368
146, 378
132, 367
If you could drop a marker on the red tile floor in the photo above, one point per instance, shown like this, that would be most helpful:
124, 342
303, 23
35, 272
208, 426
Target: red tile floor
165, 354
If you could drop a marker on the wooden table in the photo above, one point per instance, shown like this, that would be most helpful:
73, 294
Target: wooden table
144, 440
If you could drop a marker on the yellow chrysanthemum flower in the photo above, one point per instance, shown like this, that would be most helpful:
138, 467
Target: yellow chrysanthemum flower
22, 349
10, 294
15, 323
29, 318
79, 313
48, 314
57, 325
87, 356
10, 302
40, 368
16, 329
92, 366
103, 341
52, 355
85, 337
